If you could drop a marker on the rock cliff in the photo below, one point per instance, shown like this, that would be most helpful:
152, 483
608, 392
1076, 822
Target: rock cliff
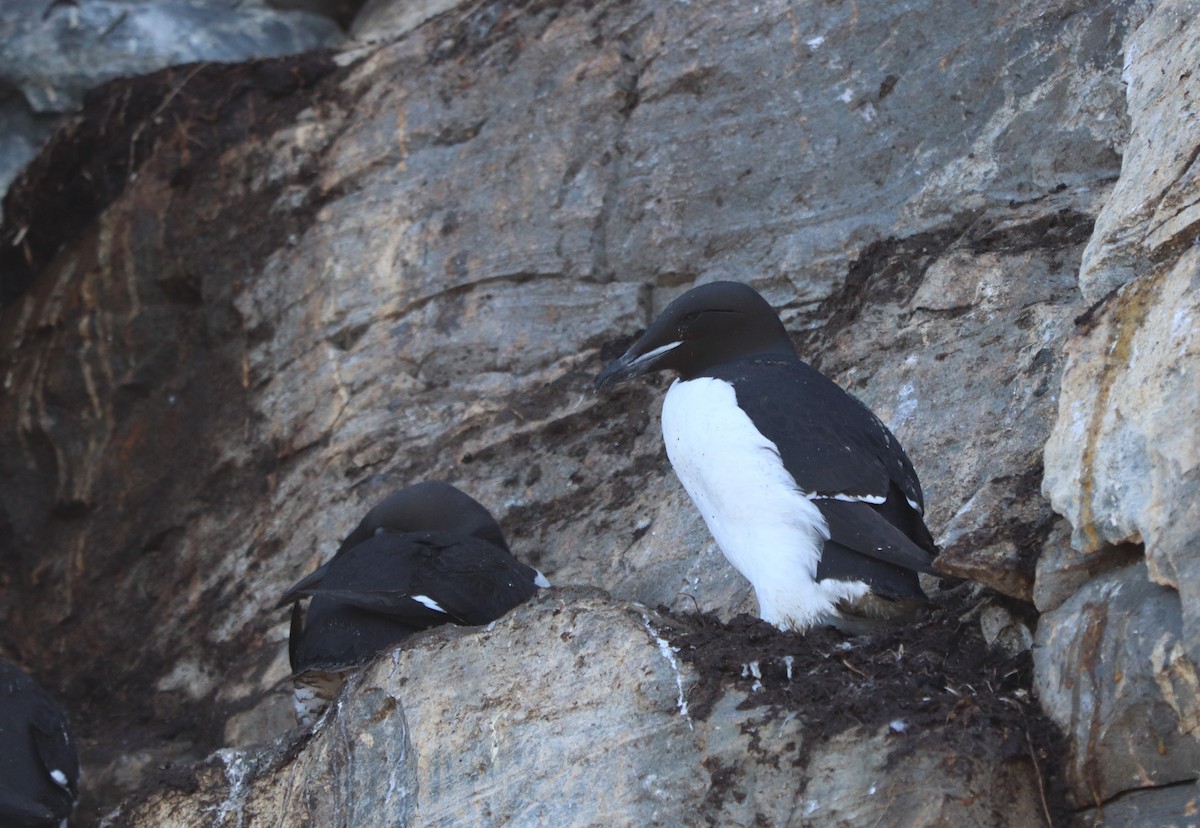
54, 52
259, 296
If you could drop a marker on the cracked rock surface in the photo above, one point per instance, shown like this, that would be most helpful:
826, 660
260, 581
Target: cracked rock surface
606, 700
243, 302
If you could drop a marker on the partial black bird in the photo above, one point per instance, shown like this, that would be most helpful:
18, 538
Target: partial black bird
806, 491
426, 555
39, 768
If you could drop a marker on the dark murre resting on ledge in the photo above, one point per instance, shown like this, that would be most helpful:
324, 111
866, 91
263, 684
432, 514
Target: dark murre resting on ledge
426, 555
807, 493
39, 768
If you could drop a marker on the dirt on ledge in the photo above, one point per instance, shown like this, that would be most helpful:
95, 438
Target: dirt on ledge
924, 676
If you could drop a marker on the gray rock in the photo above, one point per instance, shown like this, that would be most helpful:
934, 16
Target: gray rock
414, 267
388, 19
1062, 569
1111, 671
21, 135
55, 52
343, 12
1105, 469
1153, 207
1177, 806
572, 710
853, 785
1002, 629
1123, 461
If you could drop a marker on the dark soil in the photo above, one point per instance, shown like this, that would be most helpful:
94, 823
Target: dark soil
932, 673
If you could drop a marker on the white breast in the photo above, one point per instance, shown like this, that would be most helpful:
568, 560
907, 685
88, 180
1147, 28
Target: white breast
767, 528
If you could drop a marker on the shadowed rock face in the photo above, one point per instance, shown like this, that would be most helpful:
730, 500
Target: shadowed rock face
55, 52
293, 286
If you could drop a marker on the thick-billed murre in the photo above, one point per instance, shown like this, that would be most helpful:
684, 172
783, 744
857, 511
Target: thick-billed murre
426, 555
39, 767
806, 492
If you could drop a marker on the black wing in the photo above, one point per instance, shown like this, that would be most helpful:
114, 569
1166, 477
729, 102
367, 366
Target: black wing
847, 460
334, 636
423, 578
301, 588
863, 546
829, 442
17, 808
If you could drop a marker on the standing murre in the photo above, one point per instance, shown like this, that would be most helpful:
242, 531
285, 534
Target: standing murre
426, 555
806, 492
39, 767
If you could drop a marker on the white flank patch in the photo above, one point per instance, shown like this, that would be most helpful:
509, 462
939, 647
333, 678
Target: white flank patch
59, 778
540, 580
768, 529
429, 602
876, 499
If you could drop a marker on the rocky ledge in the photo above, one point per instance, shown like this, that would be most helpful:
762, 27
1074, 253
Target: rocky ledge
244, 301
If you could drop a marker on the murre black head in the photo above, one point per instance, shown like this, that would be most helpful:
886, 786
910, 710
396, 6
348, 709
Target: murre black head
430, 506
706, 326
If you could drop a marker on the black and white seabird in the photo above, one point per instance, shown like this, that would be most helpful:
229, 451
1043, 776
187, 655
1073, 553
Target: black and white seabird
426, 555
807, 493
39, 768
